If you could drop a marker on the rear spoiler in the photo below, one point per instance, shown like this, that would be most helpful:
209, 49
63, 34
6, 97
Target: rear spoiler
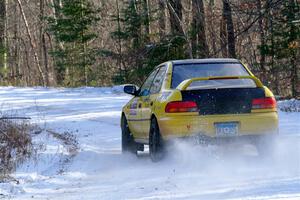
186, 83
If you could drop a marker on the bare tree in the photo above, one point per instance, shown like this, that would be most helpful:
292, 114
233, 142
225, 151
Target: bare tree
177, 28
32, 44
162, 18
2, 34
175, 11
223, 37
198, 35
15, 49
230, 28
146, 14
43, 45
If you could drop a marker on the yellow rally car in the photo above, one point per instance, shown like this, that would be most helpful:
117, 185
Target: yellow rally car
211, 99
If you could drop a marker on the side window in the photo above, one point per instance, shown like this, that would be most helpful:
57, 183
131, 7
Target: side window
145, 89
158, 80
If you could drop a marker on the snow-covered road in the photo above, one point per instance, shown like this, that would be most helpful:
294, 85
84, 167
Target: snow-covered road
100, 171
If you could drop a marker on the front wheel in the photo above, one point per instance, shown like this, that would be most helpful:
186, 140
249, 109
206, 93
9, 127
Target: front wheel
128, 143
156, 144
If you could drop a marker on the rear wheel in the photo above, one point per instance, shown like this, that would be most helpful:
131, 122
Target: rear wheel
128, 143
156, 143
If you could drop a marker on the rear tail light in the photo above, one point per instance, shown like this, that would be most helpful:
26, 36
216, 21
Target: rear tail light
264, 103
181, 106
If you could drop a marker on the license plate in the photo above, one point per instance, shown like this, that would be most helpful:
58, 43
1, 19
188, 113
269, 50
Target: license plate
226, 129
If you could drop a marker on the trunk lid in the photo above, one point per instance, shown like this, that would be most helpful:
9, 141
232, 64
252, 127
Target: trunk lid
223, 101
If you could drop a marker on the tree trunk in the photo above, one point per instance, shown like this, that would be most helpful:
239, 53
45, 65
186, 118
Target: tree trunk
56, 4
262, 40
15, 58
262, 33
162, 18
294, 75
292, 39
32, 44
230, 28
175, 10
43, 46
2, 36
119, 58
177, 29
198, 35
211, 20
146, 16
59, 76
273, 70
223, 37
136, 43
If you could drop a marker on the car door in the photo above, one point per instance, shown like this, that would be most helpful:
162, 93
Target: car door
149, 99
139, 104
133, 117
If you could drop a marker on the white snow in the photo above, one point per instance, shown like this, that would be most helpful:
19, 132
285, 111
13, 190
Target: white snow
291, 105
100, 171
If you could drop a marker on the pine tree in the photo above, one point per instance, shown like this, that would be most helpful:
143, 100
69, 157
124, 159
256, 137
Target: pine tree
72, 29
282, 45
130, 36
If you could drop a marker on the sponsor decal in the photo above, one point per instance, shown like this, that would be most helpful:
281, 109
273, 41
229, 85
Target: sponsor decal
132, 112
134, 104
133, 108
164, 96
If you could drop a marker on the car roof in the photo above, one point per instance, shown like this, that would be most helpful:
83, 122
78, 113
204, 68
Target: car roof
208, 60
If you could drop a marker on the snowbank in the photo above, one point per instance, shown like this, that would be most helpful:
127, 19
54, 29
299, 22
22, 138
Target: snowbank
292, 105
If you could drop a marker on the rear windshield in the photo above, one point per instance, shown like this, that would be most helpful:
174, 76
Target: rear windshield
201, 70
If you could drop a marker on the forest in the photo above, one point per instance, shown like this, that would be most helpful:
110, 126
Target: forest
73, 43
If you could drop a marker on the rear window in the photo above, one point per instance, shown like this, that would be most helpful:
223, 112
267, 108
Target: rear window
201, 70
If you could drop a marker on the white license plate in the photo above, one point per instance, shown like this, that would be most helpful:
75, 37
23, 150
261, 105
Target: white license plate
226, 129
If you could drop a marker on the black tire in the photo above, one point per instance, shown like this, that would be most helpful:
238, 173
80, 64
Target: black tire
156, 143
128, 143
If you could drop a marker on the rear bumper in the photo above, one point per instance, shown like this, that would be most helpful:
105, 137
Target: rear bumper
190, 125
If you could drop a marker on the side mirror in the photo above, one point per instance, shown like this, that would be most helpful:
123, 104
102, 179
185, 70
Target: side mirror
131, 89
